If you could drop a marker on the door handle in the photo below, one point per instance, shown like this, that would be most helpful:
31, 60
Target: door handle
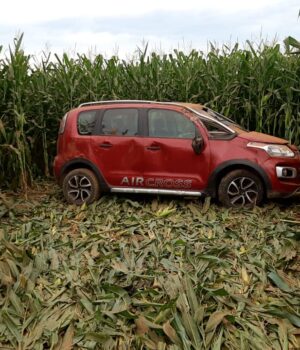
153, 148
105, 145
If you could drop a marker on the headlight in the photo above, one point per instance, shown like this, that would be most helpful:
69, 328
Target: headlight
273, 150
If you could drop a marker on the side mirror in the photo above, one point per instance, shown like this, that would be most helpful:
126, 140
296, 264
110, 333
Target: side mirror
198, 144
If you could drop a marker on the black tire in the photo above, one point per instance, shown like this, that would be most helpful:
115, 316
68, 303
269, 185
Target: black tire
81, 186
240, 188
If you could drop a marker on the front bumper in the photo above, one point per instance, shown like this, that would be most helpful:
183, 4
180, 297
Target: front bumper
274, 194
284, 177
294, 193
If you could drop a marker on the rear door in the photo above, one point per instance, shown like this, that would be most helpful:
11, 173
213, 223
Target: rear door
170, 161
117, 147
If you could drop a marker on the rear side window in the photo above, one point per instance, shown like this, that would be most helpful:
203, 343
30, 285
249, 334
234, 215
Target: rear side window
86, 122
120, 121
166, 123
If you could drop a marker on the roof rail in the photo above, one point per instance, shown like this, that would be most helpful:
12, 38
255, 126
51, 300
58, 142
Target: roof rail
118, 101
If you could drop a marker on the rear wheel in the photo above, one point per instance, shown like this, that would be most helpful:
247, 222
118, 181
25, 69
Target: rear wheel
81, 186
240, 188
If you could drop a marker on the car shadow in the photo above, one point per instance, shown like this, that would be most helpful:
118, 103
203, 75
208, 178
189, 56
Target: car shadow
287, 202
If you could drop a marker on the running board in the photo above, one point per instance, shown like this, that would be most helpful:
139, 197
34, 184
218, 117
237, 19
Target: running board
155, 191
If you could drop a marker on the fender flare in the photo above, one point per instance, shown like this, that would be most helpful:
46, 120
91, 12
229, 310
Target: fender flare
85, 163
229, 165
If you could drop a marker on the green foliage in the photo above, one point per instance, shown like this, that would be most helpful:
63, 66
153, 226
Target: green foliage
290, 44
147, 274
258, 86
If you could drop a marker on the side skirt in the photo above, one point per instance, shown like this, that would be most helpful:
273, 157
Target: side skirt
156, 191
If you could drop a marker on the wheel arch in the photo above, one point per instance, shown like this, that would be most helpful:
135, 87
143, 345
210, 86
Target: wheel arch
228, 166
85, 164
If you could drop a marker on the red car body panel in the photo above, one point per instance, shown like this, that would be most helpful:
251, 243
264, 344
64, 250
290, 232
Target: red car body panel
170, 163
117, 156
174, 160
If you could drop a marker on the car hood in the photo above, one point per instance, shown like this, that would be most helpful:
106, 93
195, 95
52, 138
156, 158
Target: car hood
260, 137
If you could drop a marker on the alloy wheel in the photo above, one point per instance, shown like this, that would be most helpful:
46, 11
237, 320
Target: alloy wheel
79, 188
242, 191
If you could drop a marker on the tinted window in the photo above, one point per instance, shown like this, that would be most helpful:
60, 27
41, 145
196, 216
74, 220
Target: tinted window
86, 122
122, 122
214, 129
165, 123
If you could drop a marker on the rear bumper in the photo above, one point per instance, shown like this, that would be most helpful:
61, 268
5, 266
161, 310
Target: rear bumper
57, 165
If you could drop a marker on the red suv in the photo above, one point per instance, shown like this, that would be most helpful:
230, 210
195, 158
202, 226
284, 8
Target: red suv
170, 148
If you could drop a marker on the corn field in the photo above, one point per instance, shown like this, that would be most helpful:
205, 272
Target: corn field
144, 273
258, 86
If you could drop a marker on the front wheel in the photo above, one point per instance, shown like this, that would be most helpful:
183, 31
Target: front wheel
240, 188
81, 186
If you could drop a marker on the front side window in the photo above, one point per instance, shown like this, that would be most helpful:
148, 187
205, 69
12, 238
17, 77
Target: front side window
166, 123
214, 129
217, 131
86, 122
121, 121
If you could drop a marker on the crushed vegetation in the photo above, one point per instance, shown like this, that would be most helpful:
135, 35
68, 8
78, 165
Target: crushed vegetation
147, 273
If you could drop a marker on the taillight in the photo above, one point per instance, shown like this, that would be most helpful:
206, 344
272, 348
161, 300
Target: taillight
63, 124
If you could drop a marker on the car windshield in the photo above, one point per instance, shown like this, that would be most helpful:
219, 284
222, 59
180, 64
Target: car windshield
221, 118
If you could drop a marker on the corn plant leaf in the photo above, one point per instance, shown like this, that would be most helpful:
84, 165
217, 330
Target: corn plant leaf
171, 333
214, 320
278, 281
67, 343
141, 325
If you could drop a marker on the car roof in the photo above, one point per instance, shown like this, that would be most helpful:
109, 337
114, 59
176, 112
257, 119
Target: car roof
194, 107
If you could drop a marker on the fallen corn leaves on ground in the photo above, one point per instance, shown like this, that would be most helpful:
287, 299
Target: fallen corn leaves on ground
147, 273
